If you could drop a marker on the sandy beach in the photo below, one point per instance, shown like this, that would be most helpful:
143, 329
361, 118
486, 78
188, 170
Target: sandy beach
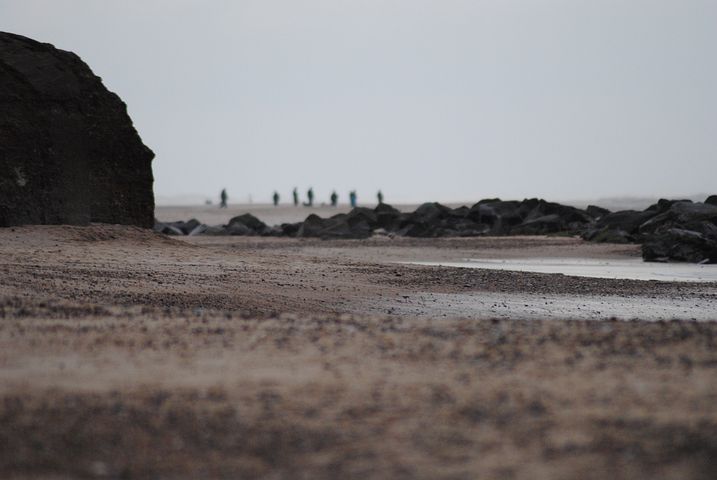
128, 354
358, 240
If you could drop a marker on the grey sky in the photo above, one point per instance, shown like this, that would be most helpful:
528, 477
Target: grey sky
443, 99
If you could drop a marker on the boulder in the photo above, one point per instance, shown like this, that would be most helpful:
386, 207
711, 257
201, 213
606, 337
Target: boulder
238, 229
425, 221
566, 213
681, 214
345, 225
190, 226
596, 212
540, 226
198, 230
311, 226
664, 204
711, 200
608, 235
628, 221
169, 229
387, 217
681, 245
290, 229
249, 221
429, 213
69, 153
499, 215
215, 230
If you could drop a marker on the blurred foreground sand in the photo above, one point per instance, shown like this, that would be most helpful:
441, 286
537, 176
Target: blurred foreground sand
125, 354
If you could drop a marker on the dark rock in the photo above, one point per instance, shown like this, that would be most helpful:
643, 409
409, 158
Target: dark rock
250, 221
366, 214
168, 229
68, 150
198, 230
290, 229
681, 245
488, 200
664, 204
425, 221
387, 217
596, 212
385, 208
628, 221
275, 231
540, 226
238, 229
351, 225
608, 235
569, 216
429, 212
190, 226
711, 200
500, 216
685, 215
351, 228
311, 226
460, 212
616, 227
215, 230
183, 227
483, 214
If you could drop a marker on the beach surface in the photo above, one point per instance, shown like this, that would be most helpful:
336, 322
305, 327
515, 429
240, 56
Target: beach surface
128, 354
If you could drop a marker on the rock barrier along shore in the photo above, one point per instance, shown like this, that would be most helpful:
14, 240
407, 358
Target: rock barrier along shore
669, 230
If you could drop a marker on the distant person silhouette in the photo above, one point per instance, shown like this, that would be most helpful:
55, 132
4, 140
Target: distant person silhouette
223, 198
352, 198
334, 198
379, 195
296, 197
310, 198
276, 198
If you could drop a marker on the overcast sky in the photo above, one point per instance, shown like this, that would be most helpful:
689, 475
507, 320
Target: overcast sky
446, 100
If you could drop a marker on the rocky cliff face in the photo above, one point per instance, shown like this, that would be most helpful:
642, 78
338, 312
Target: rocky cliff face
68, 150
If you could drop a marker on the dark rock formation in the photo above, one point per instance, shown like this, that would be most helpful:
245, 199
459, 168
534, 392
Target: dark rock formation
682, 245
669, 230
178, 228
359, 223
617, 227
683, 231
712, 200
68, 150
247, 224
596, 212
682, 214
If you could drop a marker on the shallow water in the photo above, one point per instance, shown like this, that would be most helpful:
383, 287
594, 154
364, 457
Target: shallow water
630, 269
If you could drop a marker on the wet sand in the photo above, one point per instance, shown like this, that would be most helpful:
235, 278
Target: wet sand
125, 354
616, 268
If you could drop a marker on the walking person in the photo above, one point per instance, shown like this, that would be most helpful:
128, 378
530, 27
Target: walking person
296, 197
379, 195
334, 198
310, 197
276, 198
352, 198
223, 198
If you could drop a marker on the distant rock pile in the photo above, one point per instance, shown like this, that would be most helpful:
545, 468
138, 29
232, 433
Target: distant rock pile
679, 230
68, 151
